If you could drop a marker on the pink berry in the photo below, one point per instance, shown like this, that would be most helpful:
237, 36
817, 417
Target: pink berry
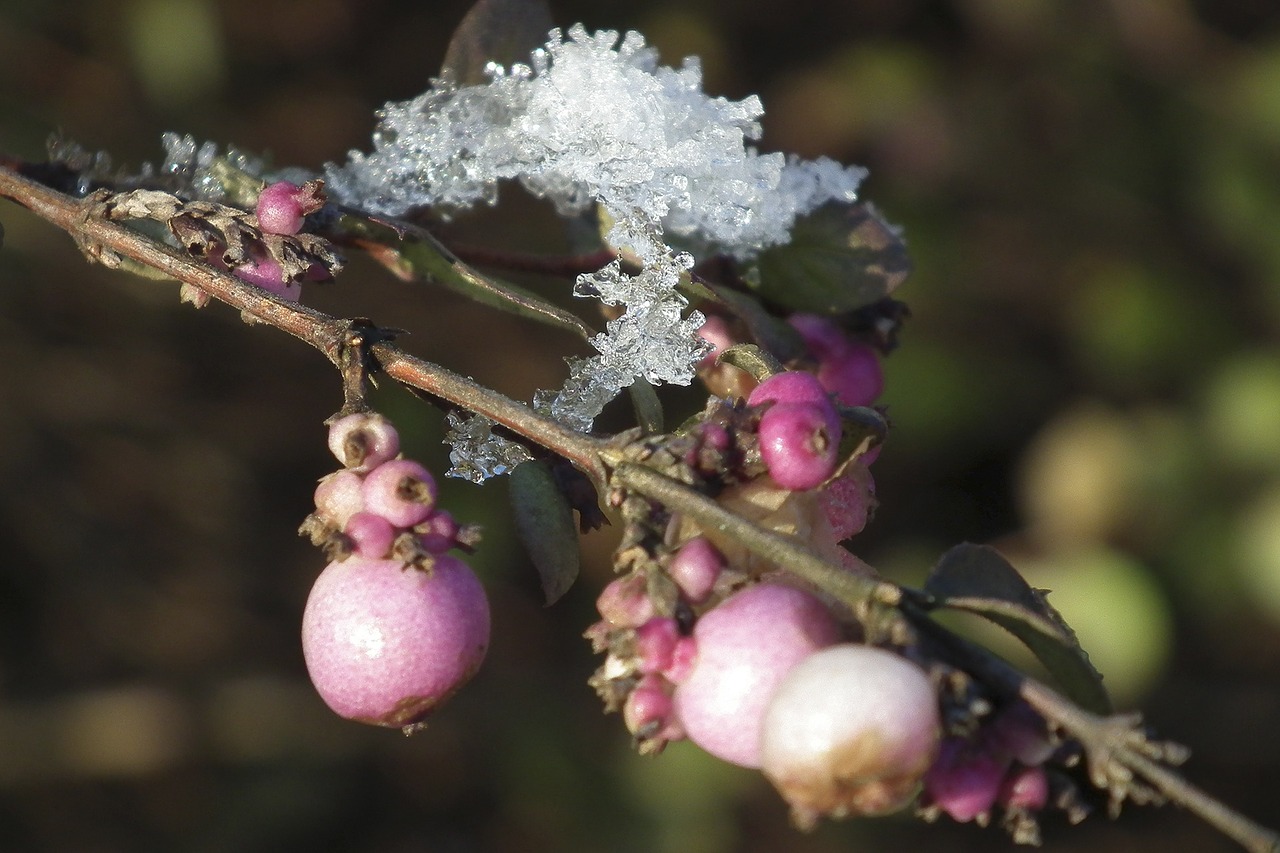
716, 332
850, 731
848, 501
1024, 788
625, 603
363, 441
965, 780
792, 386
339, 496
438, 533
647, 711
683, 655
266, 272
822, 337
799, 443
371, 535
402, 491
385, 644
655, 643
745, 647
695, 568
853, 374
282, 206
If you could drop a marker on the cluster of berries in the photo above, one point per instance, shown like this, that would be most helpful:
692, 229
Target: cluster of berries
281, 209
763, 679
394, 624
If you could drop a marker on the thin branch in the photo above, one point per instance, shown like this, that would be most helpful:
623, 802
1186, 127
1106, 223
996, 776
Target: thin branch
322, 331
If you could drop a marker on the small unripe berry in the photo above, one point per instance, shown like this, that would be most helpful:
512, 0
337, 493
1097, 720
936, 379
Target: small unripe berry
363, 441
822, 337
371, 535
438, 533
625, 603
266, 272
283, 205
792, 386
965, 780
647, 711
655, 643
386, 644
402, 491
695, 568
339, 496
745, 646
1024, 788
850, 731
800, 443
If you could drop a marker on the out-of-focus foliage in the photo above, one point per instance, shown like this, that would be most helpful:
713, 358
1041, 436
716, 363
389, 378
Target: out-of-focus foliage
1090, 380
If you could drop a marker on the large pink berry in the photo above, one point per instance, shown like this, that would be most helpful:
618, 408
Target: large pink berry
850, 731
363, 441
800, 443
745, 646
791, 386
848, 500
402, 491
386, 644
283, 205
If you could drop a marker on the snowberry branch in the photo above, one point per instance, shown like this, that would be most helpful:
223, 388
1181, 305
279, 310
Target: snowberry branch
1115, 747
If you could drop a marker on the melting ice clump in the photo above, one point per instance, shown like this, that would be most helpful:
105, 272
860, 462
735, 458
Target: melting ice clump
593, 119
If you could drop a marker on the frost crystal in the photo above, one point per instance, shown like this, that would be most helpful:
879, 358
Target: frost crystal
477, 453
594, 119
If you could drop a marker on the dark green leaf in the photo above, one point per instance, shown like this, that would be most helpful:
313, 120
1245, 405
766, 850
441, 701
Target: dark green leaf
647, 406
862, 428
544, 523
977, 579
840, 258
502, 31
773, 334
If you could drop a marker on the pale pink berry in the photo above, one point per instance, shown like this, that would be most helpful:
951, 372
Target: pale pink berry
625, 602
716, 332
695, 567
339, 496
745, 647
853, 374
363, 441
386, 644
800, 443
282, 206
850, 731
965, 780
266, 272
791, 386
438, 533
1024, 788
402, 491
655, 643
371, 535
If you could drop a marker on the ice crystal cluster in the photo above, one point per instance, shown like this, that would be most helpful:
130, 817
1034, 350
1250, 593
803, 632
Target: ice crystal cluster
594, 119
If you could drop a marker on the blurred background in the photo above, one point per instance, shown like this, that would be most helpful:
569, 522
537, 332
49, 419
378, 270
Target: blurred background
1090, 380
